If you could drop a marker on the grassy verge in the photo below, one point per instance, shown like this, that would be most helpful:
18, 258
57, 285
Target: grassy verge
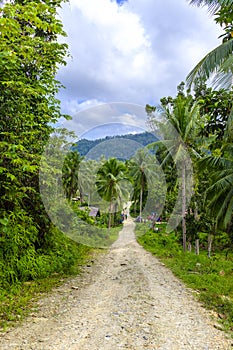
17, 301
211, 278
96, 236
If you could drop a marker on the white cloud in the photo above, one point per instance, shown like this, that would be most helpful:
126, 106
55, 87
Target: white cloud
108, 116
113, 22
137, 52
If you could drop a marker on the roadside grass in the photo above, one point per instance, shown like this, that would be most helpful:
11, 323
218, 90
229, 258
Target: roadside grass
210, 278
18, 301
96, 236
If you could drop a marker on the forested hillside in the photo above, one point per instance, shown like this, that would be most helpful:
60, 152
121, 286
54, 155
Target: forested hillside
85, 145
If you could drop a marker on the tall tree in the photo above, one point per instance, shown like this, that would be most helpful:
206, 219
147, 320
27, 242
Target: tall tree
137, 169
30, 55
179, 127
87, 178
215, 108
144, 171
220, 168
109, 183
70, 175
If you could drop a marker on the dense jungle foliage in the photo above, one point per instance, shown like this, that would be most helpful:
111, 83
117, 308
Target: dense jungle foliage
30, 246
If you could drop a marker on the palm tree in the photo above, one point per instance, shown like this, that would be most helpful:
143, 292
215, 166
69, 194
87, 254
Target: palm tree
220, 60
87, 178
220, 193
143, 170
70, 176
137, 167
109, 176
179, 125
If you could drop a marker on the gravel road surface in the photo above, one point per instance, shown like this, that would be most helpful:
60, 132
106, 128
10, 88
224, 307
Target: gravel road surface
126, 299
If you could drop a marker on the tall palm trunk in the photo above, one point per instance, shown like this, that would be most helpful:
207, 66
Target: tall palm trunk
110, 214
141, 194
81, 196
197, 238
184, 206
210, 240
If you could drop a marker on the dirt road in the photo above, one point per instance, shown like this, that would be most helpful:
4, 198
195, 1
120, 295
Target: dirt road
126, 300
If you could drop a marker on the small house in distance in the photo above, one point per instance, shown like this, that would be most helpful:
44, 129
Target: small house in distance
93, 211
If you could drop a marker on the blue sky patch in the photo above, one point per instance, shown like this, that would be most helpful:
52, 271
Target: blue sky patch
120, 2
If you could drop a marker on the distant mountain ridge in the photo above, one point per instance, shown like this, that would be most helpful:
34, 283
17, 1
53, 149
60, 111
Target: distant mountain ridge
84, 146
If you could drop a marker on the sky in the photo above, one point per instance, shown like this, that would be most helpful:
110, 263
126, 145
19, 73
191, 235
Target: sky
129, 52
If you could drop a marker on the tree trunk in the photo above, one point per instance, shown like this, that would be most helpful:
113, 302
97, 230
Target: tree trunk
197, 239
110, 215
184, 206
197, 246
210, 239
189, 245
140, 211
115, 214
135, 206
81, 197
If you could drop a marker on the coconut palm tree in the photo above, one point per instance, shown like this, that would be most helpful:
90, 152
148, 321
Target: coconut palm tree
144, 170
220, 193
137, 169
109, 183
87, 178
178, 123
220, 60
70, 171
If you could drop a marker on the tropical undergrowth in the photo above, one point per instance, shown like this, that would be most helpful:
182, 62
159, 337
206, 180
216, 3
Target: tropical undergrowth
36, 271
26, 273
94, 231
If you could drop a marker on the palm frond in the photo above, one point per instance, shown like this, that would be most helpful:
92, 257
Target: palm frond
227, 65
220, 195
214, 163
229, 211
222, 80
221, 206
195, 153
223, 181
192, 121
213, 5
228, 135
212, 63
224, 76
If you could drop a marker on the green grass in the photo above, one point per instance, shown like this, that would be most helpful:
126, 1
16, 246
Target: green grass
211, 278
96, 236
18, 300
